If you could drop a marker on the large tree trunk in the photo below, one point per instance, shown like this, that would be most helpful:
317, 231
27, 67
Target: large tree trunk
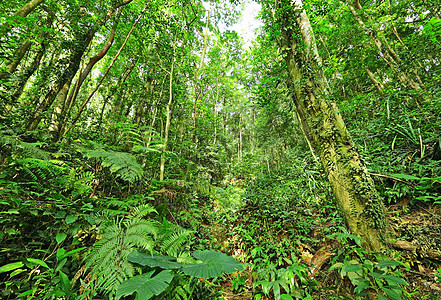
28, 8
355, 193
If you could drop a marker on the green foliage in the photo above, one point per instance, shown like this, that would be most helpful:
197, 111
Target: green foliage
120, 236
211, 263
380, 278
123, 164
286, 283
145, 286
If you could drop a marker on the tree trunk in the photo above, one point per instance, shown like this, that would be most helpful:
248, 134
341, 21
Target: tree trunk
28, 8
22, 12
387, 54
67, 105
16, 59
355, 193
72, 68
80, 110
66, 76
29, 72
116, 107
378, 85
167, 122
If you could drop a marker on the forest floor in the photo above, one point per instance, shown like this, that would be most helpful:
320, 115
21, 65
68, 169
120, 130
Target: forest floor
271, 239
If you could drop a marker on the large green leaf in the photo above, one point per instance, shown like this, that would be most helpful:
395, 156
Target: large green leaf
213, 264
161, 261
145, 285
11, 266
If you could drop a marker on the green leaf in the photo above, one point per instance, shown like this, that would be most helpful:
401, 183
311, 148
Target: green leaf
70, 219
351, 268
61, 253
11, 266
16, 272
60, 237
394, 280
60, 214
65, 281
393, 294
145, 285
213, 264
387, 263
161, 261
37, 262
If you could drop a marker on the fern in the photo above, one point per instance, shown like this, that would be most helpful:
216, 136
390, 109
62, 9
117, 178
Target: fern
24, 149
172, 237
41, 169
123, 164
108, 258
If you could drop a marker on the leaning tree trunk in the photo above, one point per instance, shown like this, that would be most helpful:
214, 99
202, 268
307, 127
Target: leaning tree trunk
66, 77
16, 59
22, 12
354, 190
64, 108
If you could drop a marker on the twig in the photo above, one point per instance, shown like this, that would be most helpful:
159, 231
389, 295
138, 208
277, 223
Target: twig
389, 177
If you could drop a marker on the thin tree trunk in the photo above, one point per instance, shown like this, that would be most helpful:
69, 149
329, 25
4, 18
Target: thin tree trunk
116, 107
355, 193
378, 85
197, 88
16, 59
22, 12
28, 73
67, 105
387, 54
167, 122
75, 119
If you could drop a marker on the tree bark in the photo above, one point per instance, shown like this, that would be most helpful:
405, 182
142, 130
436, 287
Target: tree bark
387, 54
116, 107
167, 122
378, 85
22, 12
67, 105
71, 69
354, 190
16, 59
28, 8
29, 72
66, 76
80, 110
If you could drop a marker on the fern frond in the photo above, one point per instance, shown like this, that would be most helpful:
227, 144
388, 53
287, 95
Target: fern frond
38, 168
142, 211
108, 258
145, 227
32, 150
123, 164
172, 243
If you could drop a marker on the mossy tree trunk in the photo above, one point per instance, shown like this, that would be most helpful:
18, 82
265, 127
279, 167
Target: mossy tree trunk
354, 190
